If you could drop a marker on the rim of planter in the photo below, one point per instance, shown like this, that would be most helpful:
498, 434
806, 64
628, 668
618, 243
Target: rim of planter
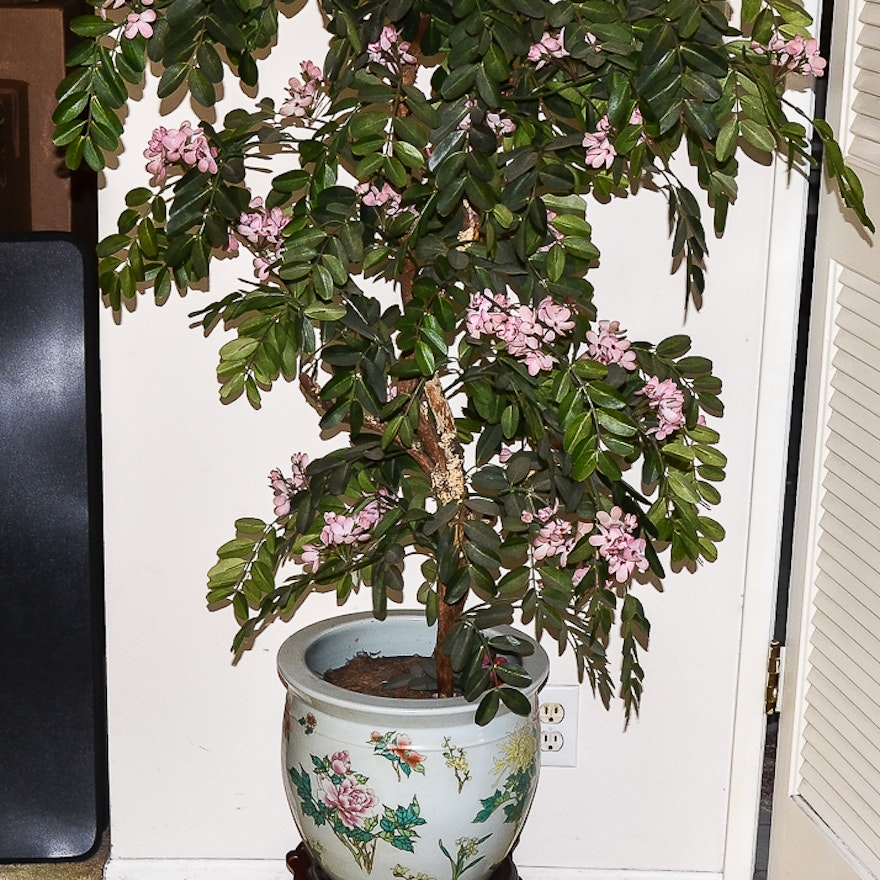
296, 672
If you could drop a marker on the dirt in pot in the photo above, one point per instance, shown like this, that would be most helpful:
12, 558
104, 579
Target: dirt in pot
409, 677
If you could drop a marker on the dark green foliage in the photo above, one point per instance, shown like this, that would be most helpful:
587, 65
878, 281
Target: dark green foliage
475, 188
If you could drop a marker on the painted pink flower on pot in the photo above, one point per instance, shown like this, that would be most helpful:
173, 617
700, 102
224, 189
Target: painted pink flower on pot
351, 801
397, 748
342, 799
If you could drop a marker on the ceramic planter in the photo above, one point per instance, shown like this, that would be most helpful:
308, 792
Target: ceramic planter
397, 788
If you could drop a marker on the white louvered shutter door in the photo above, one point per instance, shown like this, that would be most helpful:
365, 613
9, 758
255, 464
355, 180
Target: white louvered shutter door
826, 812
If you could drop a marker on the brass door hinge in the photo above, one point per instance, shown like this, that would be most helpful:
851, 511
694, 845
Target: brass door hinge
774, 676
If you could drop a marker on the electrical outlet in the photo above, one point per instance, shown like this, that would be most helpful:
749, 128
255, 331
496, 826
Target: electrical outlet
552, 741
551, 713
558, 714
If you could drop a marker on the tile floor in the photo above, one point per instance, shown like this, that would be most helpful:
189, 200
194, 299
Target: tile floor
91, 868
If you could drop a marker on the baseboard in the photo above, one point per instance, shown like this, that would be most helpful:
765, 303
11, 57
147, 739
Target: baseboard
196, 869
265, 869
549, 873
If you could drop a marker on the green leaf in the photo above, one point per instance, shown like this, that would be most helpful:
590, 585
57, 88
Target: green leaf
91, 26
510, 421
758, 135
409, 155
70, 107
682, 487
111, 245
458, 82
750, 9
209, 62
515, 700
172, 79
325, 312
555, 262
200, 87
487, 708
725, 144
424, 358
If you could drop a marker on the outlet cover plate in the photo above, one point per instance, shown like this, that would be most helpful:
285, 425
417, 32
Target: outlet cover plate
567, 696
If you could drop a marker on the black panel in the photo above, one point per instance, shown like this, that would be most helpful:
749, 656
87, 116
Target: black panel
51, 693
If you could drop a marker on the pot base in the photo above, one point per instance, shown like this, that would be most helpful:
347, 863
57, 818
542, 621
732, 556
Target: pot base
300, 864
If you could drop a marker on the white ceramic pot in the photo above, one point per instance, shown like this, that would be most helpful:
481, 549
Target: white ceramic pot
399, 788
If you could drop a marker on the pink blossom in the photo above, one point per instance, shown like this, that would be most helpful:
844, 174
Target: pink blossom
505, 455
286, 487
263, 267
551, 539
521, 328
187, 145
283, 492
342, 529
340, 763
667, 401
390, 50
263, 230
545, 514
556, 536
348, 529
350, 799
111, 4
499, 124
609, 346
799, 54
486, 313
556, 318
636, 118
465, 123
617, 545
118, 4
536, 361
369, 515
299, 462
557, 235
259, 226
139, 23
546, 48
600, 150
386, 197
302, 93
579, 574
310, 557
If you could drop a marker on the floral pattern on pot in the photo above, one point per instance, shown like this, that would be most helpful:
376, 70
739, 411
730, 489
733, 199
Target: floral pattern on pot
467, 848
456, 760
343, 801
396, 747
518, 766
466, 856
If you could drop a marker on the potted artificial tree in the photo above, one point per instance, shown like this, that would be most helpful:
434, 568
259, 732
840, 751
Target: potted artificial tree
518, 447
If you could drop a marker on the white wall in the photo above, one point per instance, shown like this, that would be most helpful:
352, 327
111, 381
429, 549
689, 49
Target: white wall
194, 742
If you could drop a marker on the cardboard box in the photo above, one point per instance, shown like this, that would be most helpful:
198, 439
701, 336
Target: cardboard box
40, 193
